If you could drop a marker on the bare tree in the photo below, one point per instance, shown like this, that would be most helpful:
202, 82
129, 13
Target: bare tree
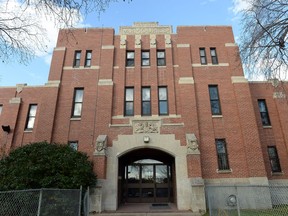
263, 45
21, 33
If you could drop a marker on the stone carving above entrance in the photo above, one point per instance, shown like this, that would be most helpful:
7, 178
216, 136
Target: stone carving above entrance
143, 126
101, 145
192, 144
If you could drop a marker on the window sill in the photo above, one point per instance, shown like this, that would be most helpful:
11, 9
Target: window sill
161, 66
75, 119
277, 173
130, 67
224, 171
217, 116
268, 126
145, 66
28, 130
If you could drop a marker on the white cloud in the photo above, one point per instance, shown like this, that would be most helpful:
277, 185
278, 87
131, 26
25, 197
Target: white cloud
239, 5
50, 26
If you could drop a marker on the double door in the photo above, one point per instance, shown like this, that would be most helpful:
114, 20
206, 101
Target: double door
148, 183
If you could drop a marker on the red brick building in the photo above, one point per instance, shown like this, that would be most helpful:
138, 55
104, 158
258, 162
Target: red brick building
161, 114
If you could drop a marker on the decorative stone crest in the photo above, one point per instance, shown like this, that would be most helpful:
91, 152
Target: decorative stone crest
146, 126
145, 28
192, 144
101, 145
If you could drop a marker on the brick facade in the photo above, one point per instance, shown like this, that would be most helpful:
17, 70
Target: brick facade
188, 98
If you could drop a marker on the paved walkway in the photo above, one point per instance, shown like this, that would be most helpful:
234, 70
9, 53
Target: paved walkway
143, 209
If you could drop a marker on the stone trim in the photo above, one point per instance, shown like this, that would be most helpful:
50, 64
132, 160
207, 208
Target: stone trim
105, 82
279, 95
231, 45
183, 45
186, 80
96, 67
107, 47
120, 125
53, 83
145, 28
173, 124
239, 79
15, 100
211, 65
217, 116
224, 171
59, 48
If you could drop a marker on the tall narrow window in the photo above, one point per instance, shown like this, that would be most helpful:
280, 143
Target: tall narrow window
77, 58
203, 58
274, 159
1, 107
264, 112
146, 101
213, 56
73, 145
130, 58
31, 117
161, 61
88, 58
163, 101
129, 101
77, 103
214, 100
222, 156
145, 58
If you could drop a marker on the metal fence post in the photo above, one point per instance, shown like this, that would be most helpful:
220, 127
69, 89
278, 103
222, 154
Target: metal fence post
39, 204
80, 200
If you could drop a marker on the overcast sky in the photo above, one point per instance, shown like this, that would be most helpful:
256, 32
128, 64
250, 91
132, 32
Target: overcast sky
165, 12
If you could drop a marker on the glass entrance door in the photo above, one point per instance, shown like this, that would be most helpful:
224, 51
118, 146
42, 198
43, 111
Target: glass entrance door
148, 182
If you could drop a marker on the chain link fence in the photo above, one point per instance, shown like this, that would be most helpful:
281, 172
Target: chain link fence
42, 202
247, 200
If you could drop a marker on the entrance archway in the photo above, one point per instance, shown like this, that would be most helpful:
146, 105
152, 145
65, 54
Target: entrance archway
146, 175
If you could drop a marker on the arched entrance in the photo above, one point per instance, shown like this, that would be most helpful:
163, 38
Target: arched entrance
146, 175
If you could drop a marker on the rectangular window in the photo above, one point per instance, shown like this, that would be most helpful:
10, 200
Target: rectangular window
88, 58
213, 56
31, 117
129, 101
77, 58
77, 102
1, 107
214, 100
264, 112
163, 101
130, 58
203, 58
146, 101
145, 58
161, 61
274, 159
222, 155
73, 145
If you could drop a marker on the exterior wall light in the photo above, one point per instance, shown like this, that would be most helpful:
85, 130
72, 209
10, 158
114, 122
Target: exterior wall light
146, 139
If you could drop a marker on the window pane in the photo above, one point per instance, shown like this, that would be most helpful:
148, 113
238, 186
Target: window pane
161, 62
77, 109
214, 60
88, 63
129, 94
79, 95
130, 62
129, 108
147, 174
33, 110
262, 106
146, 94
162, 94
89, 55
215, 106
160, 54
74, 145
30, 123
220, 146
1, 109
213, 52
203, 60
145, 62
130, 55
133, 174
78, 55
202, 52
146, 109
213, 91
163, 107
145, 54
